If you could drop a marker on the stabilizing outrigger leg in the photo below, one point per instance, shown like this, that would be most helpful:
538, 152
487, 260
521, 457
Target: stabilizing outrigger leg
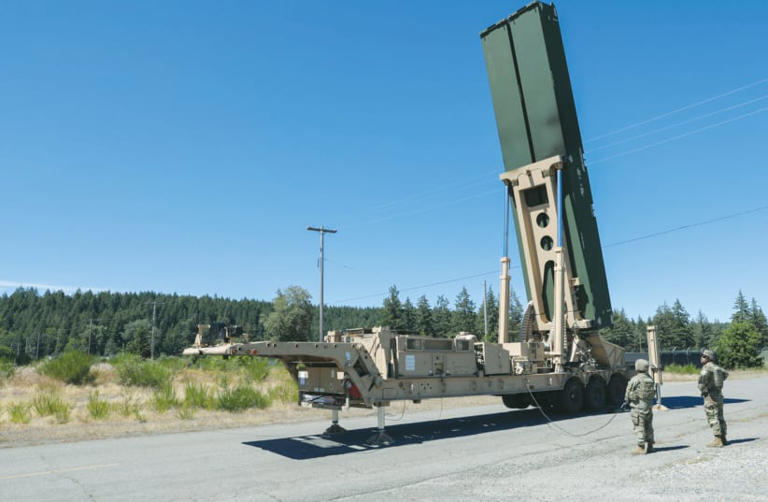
380, 437
335, 428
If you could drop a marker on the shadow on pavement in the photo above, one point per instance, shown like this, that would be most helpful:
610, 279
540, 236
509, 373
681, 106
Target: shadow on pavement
737, 441
680, 402
315, 446
670, 448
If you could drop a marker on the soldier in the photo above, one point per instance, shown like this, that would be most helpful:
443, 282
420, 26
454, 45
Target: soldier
640, 393
711, 388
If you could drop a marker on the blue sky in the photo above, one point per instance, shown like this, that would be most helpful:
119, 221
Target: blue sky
185, 146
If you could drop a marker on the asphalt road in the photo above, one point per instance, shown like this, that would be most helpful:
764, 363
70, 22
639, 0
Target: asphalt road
483, 453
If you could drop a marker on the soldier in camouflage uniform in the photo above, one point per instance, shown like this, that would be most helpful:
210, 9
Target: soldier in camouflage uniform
639, 395
711, 386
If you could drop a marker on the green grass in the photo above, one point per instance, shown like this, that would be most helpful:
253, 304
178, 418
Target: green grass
164, 399
132, 370
285, 392
70, 367
255, 368
6, 370
688, 369
185, 412
20, 413
240, 398
198, 396
49, 404
173, 364
97, 407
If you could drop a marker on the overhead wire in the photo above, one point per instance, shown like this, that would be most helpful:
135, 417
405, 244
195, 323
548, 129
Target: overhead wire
679, 136
678, 110
613, 244
464, 183
678, 124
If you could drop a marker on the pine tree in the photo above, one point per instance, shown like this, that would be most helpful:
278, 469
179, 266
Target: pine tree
758, 320
464, 313
622, 332
392, 315
423, 318
702, 331
741, 311
682, 330
493, 318
515, 316
441, 317
409, 316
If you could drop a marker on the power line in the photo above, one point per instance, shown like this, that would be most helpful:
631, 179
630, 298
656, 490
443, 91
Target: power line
424, 210
618, 243
447, 281
678, 110
690, 225
678, 124
463, 184
679, 136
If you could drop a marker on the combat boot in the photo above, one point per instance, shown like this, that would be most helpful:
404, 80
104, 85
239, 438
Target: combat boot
725, 442
649, 447
716, 443
640, 450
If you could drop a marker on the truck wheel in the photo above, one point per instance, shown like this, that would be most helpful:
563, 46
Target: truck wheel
616, 388
571, 397
596, 394
517, 401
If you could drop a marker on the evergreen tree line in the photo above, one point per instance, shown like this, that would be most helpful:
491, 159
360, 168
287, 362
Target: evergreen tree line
34, 325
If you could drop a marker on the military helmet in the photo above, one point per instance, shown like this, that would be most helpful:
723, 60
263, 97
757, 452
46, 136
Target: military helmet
708, 354
641, 365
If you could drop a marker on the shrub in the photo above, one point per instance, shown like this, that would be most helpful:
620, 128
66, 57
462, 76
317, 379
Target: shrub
20, 413
132, 370
285, 392
185, 412
241, 398
198, 396
70, 367
97, 407
164, 398
49, 404
688, 369
6, 370
173, 363
127, 406
256, 368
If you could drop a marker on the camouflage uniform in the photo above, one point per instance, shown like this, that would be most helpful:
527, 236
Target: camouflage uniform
711, 385
640, 393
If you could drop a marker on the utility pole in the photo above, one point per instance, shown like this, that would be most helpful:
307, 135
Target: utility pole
322, 231
485, 311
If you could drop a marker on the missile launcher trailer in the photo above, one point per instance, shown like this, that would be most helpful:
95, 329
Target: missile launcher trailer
558, 360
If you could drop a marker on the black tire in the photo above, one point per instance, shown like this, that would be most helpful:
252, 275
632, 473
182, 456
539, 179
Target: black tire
616, 388
571, 398
596, 394
516, 401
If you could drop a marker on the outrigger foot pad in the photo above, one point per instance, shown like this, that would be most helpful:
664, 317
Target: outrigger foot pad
380, 438
334, 429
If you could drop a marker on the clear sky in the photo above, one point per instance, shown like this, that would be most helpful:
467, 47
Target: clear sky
185, 146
